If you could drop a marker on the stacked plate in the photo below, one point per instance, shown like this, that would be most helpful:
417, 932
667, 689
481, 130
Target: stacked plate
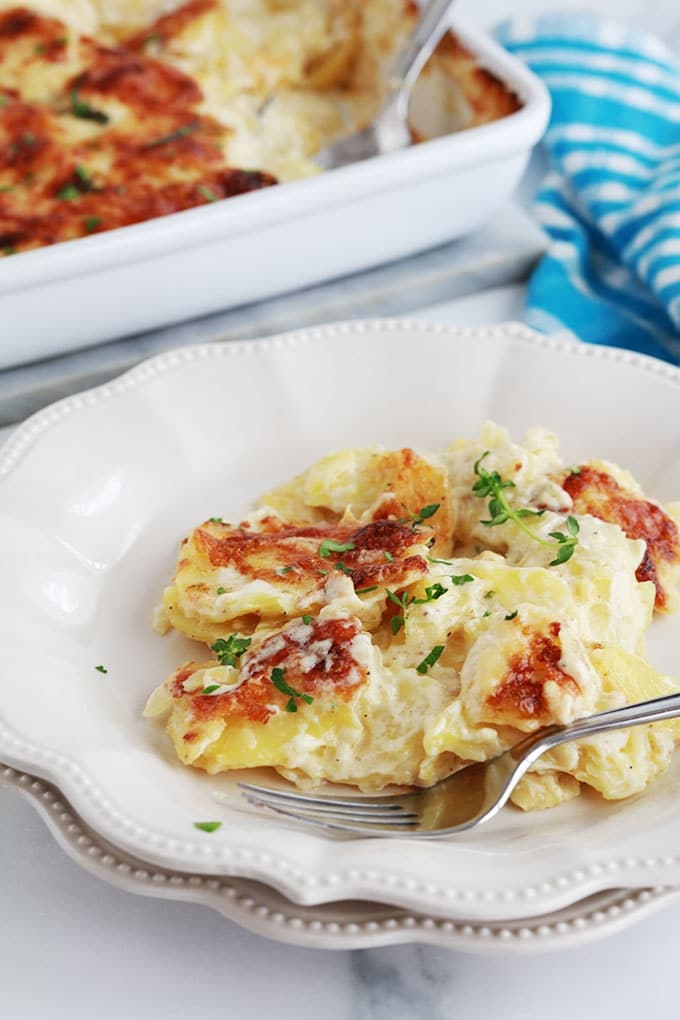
94, 493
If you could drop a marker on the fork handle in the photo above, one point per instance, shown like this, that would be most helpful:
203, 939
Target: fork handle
655, 710
412, 58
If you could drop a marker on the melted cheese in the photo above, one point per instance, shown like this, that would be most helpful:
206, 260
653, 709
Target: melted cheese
380, 651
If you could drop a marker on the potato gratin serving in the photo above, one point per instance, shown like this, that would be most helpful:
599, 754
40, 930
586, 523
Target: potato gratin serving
388, 617
117, 111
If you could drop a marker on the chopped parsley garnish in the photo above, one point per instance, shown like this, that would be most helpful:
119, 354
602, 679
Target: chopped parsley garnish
79, 108
216, 520
231, 649
294, 696
343, 568
397, 622
490, 594
490, 485
91, 223
365, 591
69, 192
221, 590
328, 546
206, 193
511, 616
306, 620
285, 570
211, 689
101, 669
435, 591
208, 826
388, 556
324, 573
487, 613
174, 136
430, 659
574, 470
446, 563
40, 48
9, 250
459, 579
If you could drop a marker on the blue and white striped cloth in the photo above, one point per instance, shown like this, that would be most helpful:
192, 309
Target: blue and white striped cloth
611, 201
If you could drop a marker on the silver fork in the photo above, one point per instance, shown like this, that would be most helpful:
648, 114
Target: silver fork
464, 800
389, 131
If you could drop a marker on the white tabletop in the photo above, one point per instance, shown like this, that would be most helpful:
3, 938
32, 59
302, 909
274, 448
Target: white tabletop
74, 947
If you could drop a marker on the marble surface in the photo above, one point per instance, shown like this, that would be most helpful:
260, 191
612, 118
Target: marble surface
72, 947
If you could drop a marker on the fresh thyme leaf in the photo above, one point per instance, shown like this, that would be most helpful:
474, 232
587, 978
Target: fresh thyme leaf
206, 193
426, 512
365, 591
231, 649
396, 623
211, 689
459, 579
430, 659
174, 136
343, 568
393, 598
278, 679
511, 616
79, 108
490, 485
328, 546
431, 559
101, 669
221, 590
306, 620
208, 826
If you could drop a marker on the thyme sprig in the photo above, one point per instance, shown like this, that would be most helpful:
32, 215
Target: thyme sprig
491, 486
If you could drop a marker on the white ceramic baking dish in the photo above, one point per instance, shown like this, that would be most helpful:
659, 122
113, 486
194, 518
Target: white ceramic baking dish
257, 245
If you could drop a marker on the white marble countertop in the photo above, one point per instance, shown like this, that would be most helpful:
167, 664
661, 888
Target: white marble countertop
73, 947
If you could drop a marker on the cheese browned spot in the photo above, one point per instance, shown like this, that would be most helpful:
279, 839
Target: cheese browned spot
317, 659
522, 689
293, 555
595, 492
120, 141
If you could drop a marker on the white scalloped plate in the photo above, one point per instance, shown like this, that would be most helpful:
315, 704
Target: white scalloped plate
95, 493
341, 925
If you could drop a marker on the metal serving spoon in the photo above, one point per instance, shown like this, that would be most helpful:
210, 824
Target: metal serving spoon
464, 800
389, 131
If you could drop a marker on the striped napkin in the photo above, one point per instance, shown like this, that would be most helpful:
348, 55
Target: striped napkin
610, 203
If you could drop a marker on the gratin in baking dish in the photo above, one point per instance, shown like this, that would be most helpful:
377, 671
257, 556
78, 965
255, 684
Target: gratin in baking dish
271, 241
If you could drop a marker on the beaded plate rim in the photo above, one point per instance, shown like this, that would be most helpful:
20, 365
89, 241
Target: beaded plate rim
635, 872
342, 926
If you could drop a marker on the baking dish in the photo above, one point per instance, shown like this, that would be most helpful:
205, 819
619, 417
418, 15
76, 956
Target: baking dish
258, 245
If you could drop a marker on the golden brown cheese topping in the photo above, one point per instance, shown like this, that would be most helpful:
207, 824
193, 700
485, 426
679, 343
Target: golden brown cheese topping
315, 659
597, 493
119, 142
374, 554
522, 690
